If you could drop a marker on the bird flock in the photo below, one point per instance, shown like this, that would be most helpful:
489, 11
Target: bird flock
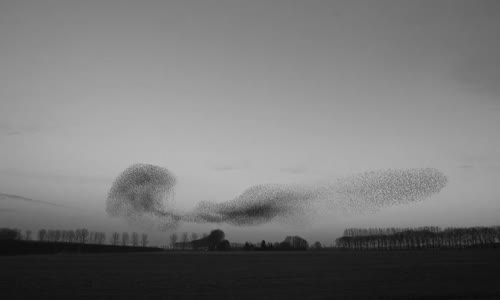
146, 192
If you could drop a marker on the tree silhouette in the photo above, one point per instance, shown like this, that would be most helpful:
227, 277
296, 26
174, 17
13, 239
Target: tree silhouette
263, 245
173, 239
8, 234
42, 235
135, 239
317, 246
144, 239
81, 235
214, 238
115, 238
99, 238
125, 238
427, 237
224, 245
71, 236
50, 235
184, 240
285, 246
296, 243
247, 246
64, 235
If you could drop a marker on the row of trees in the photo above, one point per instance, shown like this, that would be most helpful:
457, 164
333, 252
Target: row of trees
125, 239
213, 241
385, 231
71, 236
290, 243
81, 235
216, 241
418, 238
184, 239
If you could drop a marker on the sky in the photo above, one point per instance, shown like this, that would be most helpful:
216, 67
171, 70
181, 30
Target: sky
229, 94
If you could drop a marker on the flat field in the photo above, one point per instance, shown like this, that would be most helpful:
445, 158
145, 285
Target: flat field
445, 274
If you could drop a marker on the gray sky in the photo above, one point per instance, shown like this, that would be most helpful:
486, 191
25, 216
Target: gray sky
228, 94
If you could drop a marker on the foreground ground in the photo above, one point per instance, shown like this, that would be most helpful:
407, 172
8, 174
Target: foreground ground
466, 274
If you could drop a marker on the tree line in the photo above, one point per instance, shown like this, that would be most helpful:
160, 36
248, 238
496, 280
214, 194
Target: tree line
428, 237
184, 240
216, 241
290, 243
81, 235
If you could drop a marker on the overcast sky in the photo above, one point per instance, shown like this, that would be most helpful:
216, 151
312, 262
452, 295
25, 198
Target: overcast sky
228, 94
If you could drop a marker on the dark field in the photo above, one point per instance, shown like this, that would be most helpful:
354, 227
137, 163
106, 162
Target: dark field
450, 274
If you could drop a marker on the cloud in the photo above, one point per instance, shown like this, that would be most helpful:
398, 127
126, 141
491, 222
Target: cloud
14, 132
20, 126
6, 129
69, 178
146, 191
20, 198
466, 166
256, 205
226, 168
294, 170
485, 161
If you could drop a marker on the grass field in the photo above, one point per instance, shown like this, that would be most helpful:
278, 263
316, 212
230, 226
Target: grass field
466, 274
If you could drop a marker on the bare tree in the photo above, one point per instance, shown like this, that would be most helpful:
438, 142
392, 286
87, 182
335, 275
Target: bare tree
184, 240
173, 239
317, 246
8, 234
216, 236
296, 242
27, 235
57, 235
81, 235
50, 235
416, 238
100, 237
78, 235
144, 239
115, 238
125, 238
64, 235
42, 235
85, 234
135, 239
19, 234
194, 241
71, 236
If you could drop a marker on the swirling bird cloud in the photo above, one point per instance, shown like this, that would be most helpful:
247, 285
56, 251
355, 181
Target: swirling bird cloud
145, 191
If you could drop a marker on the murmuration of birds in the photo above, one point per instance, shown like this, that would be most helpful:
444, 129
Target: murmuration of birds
146, 192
